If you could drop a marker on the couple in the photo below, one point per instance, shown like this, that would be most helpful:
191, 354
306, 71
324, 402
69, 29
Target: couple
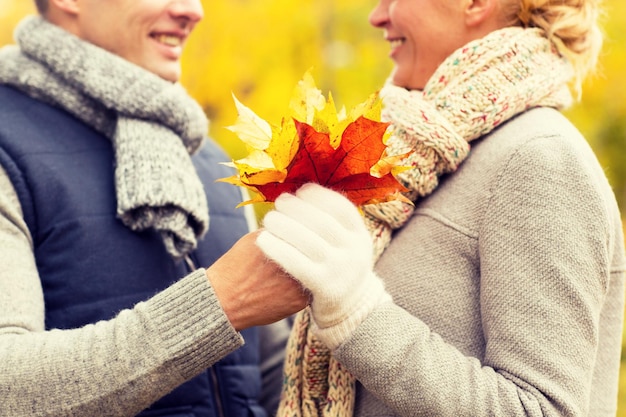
130, 286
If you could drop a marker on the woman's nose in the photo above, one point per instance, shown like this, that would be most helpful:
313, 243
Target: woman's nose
379, 16
191, 10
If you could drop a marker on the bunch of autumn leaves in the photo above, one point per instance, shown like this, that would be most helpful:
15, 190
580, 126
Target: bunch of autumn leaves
346, 152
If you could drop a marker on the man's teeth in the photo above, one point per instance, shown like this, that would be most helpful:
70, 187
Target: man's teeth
396, 42
169, 40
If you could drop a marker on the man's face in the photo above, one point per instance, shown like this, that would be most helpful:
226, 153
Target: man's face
148, 33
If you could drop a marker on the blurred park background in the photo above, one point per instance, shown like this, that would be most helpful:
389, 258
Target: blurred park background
258, 50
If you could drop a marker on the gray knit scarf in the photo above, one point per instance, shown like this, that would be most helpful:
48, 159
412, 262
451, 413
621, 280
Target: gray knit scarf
154, 125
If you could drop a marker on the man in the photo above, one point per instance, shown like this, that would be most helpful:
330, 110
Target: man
105, 308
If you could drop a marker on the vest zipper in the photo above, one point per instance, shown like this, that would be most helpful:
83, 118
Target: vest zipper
216, 390
216, 393
190, 263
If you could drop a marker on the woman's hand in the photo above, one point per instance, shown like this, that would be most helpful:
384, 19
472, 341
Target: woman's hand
319, 237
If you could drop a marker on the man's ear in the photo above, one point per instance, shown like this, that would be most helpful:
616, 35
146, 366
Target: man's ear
479, 12
64, 13
67, 6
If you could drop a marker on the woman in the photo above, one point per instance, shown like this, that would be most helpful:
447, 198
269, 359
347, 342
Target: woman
501, 292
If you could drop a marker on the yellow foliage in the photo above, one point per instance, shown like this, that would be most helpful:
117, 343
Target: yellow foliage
259, 50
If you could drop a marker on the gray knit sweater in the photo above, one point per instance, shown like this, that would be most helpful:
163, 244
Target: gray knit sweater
508, 287
112, 368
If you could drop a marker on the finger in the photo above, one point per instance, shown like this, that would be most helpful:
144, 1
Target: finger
305, 240
333, 203
316, 219
287, 256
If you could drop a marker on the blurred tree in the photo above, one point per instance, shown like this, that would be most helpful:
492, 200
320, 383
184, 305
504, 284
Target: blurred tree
601, 115
259, 50
11, 11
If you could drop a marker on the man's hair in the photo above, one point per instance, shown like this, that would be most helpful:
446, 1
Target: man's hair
42, 6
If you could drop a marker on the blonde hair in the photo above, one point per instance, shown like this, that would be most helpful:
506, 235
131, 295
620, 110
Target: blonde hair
571, 24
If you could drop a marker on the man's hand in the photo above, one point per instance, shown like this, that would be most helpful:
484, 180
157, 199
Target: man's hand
252, 289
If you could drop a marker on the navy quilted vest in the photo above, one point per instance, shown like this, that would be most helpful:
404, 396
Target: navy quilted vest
91, 265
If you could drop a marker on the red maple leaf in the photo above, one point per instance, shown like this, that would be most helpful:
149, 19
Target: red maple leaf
345, 169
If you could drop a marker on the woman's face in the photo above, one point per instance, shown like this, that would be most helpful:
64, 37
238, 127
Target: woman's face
421, 33
148, 33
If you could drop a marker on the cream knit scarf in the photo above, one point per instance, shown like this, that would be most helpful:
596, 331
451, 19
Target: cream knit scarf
153, 125
477, 88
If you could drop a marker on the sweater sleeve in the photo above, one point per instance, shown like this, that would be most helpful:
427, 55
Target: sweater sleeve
116, 367
545, 254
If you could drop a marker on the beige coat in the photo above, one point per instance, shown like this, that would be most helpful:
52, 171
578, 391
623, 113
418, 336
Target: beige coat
508, 287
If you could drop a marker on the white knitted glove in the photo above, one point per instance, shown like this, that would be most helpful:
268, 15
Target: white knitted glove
319, 237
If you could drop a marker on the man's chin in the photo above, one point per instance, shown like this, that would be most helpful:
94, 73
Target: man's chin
169, 72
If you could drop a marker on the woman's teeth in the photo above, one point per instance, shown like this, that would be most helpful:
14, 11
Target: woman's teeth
394, 43
169, 40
